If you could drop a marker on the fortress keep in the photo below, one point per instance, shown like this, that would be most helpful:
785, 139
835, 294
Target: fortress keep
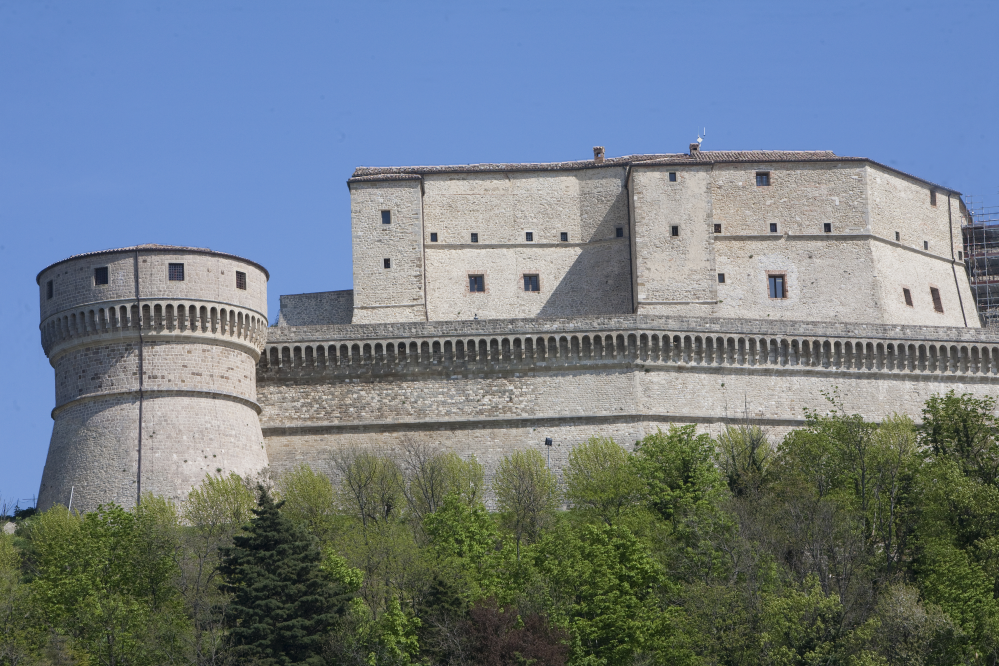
496, 305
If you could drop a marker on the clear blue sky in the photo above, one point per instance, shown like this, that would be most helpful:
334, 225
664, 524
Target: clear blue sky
234, 125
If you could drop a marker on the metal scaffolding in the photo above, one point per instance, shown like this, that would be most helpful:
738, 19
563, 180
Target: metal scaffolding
981, 259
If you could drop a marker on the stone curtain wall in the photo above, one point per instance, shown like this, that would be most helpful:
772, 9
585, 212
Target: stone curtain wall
487, 388
324, 307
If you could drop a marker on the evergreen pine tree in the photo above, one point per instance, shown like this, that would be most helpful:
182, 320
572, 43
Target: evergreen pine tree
283, 603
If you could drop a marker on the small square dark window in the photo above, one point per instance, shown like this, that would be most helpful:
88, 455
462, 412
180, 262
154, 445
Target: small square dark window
619, 232
564, 236
898, 237
476, 283
531, 283
933, 198
529, 236
926, 245
48, 289
672, 176
773, 227
674, 230
101, 275
935, 295
386, 217
908, 296
175, 272
776, 286
240, 280
387, 263
827, 227
721, 278
475, 238
717, 228
762, 178
433, 236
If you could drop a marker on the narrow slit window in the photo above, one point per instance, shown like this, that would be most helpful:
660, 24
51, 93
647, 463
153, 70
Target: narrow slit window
776, 286
898, 237
48, 289
827, 227
564, 236
175, 272
674, 230
387, 263
386, 217
240, 280
529, 236
933, 197
721, 278
101, 275
476, 283
672, 176
531, 283
773, 227
926, 245
433, 236
960, 255
619, 232
937, 303
717, 228
475, 238
762, 178
908, 296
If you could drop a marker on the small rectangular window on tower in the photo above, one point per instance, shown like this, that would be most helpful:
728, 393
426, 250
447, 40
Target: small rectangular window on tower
175, 272
563, 236
907, 295
773, 227
619, 232
935, 295
48, 289
476, 283
898, 237
387, 263
717, 228
776, 286
529, 236
475, 238
933, 197
672, 176
433, 236
926, 245
531, 283
240, 280
721, 278
827, 227
762, 178
674, 230
386, 217
960, 255
101, 275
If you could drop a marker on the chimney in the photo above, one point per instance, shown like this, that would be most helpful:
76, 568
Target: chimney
598, 154
694, 148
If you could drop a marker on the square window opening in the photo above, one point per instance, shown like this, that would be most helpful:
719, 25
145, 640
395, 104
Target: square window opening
101, 275
240, 280
762, 178
717, 228
563, 236
175, 272
619, 232
529, 236
433, 236
827, 227
674, 230
937, 303
672, 176
773, 227
475, 238
776, 286
476, 283
386, 217
933, 197
48, 289
907, 295
387, 263
721, 278
532, 283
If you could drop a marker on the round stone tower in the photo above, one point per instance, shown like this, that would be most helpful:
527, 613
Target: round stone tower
155, 350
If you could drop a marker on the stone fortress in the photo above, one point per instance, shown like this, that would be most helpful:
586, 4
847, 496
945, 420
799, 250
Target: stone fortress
496, 305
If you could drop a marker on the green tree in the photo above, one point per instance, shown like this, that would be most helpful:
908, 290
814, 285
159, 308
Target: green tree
678, 470
744, 456
22, 632
431, 475
284, 604
964, 428
369, 487
309, 500
601, 479
527, 494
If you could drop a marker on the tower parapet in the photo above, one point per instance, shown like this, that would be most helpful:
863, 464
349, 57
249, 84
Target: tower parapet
154, 349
